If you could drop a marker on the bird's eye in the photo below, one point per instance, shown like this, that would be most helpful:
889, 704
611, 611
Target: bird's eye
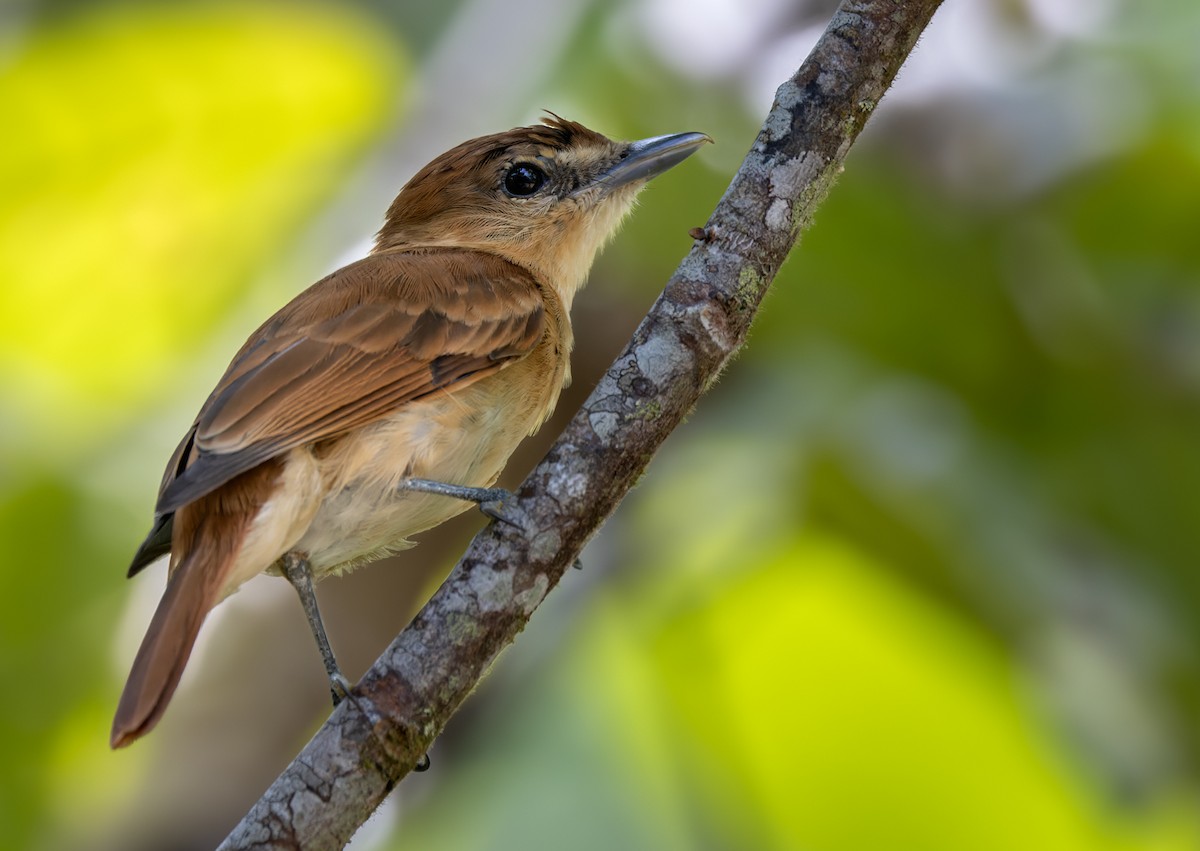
523, 179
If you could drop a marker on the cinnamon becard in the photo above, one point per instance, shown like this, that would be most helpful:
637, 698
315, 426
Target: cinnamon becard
390, 394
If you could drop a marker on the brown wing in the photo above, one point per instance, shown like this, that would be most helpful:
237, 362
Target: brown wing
351, 349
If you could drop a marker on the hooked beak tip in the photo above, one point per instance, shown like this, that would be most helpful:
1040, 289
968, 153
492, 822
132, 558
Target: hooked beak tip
648, 158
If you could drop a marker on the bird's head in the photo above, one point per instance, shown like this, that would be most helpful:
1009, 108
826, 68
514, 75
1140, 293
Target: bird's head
544, 197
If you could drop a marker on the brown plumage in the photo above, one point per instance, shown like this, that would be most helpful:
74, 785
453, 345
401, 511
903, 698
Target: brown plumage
433, 357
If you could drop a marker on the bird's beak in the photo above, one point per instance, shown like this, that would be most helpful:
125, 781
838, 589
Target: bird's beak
647, 158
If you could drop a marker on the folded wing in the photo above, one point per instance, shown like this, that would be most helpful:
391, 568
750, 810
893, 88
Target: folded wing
354, 347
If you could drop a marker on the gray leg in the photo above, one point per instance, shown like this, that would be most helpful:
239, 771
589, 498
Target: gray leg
299, 573
490, 500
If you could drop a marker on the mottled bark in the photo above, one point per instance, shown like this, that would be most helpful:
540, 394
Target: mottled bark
677, 352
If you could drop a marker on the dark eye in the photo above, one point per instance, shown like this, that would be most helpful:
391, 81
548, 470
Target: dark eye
523, 179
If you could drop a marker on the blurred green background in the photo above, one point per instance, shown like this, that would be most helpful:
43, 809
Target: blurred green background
921, 571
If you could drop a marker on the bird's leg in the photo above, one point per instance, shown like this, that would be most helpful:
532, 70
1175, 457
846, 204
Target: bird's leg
298, 572
490, 500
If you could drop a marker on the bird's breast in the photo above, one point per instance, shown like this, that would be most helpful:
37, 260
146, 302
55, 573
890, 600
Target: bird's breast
460, 436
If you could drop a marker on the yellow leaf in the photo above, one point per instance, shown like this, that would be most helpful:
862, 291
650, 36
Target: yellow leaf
154, 158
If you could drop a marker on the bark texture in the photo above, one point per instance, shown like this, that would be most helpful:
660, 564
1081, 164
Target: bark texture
695, 327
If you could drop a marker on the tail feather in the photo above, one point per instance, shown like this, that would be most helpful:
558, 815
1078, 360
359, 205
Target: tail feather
206, 539
164, 652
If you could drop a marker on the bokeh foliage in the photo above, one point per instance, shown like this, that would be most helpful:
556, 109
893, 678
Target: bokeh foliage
155, 159
920, 573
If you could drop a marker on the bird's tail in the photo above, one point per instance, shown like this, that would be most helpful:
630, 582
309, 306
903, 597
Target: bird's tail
196, 585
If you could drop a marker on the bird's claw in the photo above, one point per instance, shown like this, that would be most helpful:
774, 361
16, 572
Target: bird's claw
339, 688
499, 508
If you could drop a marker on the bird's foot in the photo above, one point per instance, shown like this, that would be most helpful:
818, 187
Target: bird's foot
501, 508
340, 688
495, 503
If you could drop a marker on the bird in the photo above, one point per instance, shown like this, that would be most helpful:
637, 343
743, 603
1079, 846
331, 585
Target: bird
387, 397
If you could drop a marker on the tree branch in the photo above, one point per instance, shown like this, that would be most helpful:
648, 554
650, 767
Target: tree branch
694, 328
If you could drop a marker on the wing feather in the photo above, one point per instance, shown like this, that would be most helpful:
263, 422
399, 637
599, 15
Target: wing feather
350, 350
